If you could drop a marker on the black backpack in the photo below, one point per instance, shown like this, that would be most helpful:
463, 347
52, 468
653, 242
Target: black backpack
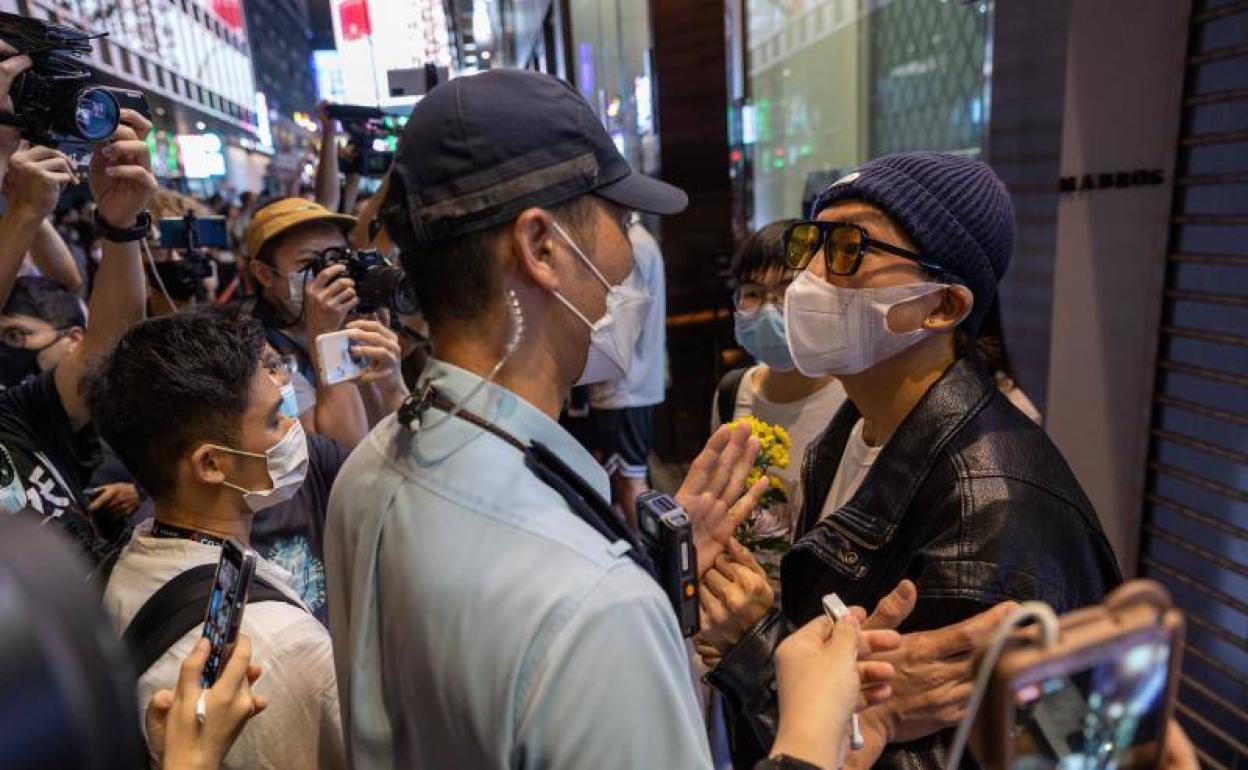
178, 607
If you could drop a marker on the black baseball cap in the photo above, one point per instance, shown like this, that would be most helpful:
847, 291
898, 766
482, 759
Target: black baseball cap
480, 149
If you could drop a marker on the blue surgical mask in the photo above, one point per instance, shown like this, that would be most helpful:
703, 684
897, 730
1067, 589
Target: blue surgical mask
290, 404
761, 333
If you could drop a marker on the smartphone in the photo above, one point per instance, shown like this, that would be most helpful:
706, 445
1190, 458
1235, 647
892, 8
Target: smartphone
225, 606
210, 233
337, 362
1098, 699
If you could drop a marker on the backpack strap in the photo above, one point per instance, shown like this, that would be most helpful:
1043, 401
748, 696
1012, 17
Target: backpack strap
726, 394
179, 606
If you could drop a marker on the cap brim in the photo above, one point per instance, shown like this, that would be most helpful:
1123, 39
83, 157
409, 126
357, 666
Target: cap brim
643, 193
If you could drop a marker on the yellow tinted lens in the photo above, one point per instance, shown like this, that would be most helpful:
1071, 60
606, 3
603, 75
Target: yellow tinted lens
844, 243
802, 245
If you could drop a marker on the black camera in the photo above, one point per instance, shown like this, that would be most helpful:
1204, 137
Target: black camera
54, 101
368, 129
378, 283
667, 536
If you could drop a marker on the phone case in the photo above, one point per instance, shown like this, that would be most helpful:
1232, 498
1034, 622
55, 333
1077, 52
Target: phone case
224, 634
336, 363
1137, 612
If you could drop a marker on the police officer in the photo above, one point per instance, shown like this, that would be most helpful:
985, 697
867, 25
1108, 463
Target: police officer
485, 613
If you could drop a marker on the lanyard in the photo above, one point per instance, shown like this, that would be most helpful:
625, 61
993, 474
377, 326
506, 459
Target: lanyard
161, 529
580, 496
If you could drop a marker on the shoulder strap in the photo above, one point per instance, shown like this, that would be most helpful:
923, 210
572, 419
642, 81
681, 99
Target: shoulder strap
726, 393
176, 608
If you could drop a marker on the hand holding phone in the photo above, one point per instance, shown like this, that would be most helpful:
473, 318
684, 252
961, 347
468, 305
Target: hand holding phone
336, 358
225, 607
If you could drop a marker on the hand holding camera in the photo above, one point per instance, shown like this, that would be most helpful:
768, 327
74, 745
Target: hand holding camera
121, 177
35, 179
328, 297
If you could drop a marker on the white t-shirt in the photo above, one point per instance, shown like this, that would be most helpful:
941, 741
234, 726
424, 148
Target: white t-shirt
804, 420
855, 463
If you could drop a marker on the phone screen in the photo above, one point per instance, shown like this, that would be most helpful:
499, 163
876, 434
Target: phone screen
210, 233
1105, 716
225, 609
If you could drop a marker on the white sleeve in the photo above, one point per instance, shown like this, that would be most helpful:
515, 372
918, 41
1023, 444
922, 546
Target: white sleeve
613, 692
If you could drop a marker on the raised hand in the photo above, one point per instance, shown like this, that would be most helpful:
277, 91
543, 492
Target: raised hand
327, 299
714, 493
35, 179
121, 172
380, 346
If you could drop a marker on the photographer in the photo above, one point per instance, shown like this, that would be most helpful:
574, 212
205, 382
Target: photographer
289, 240
43, 422
485, 607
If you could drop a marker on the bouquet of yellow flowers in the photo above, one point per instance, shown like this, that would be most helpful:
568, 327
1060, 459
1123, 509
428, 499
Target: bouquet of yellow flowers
763, 532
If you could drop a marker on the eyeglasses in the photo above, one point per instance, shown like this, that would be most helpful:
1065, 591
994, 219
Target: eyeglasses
749, 297
281, 369
843, 244
16, 336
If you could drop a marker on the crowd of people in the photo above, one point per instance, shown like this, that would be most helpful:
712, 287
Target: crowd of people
453, 579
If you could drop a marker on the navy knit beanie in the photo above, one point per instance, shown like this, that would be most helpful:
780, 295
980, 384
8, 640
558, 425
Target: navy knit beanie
954, 208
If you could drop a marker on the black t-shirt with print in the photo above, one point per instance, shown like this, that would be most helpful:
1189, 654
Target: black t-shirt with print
53, 461
292, 534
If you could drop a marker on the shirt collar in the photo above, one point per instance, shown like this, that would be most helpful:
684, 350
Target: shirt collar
516, 416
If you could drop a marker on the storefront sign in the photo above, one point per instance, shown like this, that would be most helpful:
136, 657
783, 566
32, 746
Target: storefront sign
1148, 177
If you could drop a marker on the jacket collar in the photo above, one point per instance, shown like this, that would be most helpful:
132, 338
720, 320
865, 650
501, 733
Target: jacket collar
879, 505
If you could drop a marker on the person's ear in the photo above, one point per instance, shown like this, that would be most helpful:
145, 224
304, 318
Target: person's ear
263, 274
75, 336
533, 243
206, 465
955, 305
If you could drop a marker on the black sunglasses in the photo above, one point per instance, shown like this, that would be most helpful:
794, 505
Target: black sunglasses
844, 244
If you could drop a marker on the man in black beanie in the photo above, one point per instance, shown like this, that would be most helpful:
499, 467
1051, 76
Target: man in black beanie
929, 476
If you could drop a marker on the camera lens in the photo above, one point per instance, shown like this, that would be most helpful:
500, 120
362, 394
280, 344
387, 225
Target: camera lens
96, 114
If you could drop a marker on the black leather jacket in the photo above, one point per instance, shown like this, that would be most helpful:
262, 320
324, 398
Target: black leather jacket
969, 499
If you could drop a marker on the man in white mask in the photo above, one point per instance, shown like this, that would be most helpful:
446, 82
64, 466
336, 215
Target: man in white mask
190, 408
929, 474
486, 606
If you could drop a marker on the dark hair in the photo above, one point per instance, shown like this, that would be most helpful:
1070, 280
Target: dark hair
457, 281
47, 300
172, 383
762, 251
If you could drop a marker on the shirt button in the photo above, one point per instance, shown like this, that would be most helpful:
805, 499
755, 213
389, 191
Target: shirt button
849, 557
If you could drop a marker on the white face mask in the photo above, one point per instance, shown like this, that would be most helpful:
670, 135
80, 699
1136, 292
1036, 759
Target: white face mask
287, 462
831, 330
295, 283
613, 337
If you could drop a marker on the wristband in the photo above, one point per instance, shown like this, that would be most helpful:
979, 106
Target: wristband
137, 232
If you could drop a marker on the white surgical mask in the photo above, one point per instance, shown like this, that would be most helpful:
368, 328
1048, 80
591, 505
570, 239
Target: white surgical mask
295, 283
613, 337
287, 462
832, 330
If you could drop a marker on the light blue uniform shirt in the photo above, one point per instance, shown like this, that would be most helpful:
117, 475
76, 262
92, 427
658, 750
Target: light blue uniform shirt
479, 623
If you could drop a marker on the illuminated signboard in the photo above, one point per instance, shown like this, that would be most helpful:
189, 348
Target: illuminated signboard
202, 155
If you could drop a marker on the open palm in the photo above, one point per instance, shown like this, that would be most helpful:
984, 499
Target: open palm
714, 493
